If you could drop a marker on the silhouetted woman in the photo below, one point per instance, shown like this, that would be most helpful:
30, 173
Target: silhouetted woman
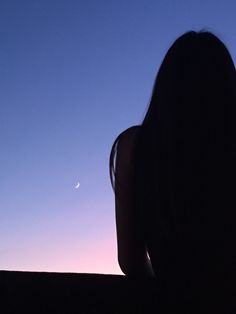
174, 176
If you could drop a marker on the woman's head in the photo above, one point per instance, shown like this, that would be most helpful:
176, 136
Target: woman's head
193, 105
196, 74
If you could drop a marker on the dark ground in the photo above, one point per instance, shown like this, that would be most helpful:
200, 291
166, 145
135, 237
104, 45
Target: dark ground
42, 292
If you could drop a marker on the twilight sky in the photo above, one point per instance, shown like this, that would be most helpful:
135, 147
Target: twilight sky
73, 75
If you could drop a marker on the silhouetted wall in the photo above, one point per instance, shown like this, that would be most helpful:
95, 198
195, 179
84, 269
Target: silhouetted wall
42, 292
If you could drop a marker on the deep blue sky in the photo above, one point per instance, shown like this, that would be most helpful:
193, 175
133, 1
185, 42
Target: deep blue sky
73, 74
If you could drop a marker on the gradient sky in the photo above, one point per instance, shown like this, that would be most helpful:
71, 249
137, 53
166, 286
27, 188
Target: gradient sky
73, 75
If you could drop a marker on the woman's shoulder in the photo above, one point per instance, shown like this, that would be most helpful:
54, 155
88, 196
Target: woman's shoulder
125, 146
128, 136
122, 148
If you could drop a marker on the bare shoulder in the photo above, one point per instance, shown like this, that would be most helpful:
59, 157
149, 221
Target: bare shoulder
124, 158
126, 142
121, 166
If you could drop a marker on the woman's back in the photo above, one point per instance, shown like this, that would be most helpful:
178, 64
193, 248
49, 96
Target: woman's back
201, 257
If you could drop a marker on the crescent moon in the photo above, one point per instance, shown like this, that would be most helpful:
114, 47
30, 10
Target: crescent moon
77, 186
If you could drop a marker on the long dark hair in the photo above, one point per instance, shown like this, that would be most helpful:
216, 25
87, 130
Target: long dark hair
184, 152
